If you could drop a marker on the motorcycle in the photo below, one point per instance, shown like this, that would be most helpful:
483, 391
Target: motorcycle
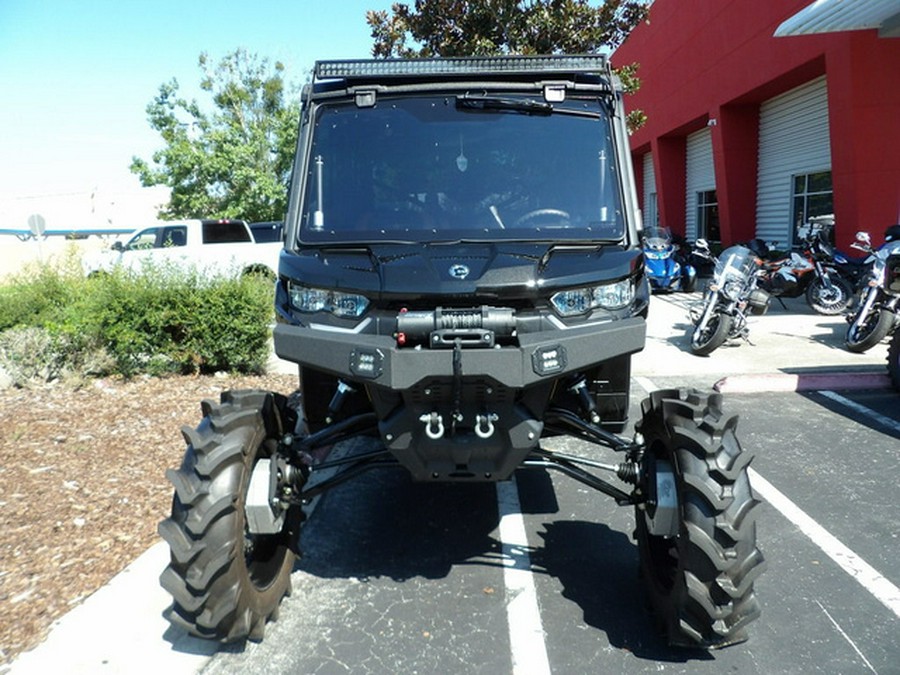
666, 269
850, 268
732, 293
809, 271
878, 311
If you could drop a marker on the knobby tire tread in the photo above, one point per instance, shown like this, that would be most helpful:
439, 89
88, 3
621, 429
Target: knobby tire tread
893, 360
214, 595
702, 589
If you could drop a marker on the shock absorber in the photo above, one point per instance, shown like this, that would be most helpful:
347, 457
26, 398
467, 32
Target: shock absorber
580, 389
337, 401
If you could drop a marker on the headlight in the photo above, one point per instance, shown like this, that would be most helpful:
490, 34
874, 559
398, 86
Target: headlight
345, 305
733, 289
582, 300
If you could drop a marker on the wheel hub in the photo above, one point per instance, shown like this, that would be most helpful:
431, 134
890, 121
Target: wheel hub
662, 506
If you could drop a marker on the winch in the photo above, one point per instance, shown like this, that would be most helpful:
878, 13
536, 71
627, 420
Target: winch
447, 327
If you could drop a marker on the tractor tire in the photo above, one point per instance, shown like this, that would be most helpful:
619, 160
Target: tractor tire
829, 302
700, 581
705, 342
893, 360
225, 582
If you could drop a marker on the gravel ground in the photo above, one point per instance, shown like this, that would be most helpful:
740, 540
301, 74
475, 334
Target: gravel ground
82, 486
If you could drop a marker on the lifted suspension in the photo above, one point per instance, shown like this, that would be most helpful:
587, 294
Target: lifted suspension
298, 465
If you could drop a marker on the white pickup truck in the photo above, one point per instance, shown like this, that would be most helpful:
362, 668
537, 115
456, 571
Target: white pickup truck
212, 247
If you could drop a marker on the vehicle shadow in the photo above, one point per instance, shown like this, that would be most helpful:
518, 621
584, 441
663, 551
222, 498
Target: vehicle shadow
888, 423
383, 525
597, 568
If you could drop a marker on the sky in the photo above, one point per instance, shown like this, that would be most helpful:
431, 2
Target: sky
77, 75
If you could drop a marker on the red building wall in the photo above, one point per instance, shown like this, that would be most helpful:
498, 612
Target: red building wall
713, 62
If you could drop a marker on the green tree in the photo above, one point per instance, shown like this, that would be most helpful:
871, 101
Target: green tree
233, 160
488, 27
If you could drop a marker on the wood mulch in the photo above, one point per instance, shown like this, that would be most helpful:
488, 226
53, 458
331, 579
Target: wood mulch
83, 487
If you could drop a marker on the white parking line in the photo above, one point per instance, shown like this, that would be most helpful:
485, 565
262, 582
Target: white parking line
526, 632
847, 638
863, 410
868, 577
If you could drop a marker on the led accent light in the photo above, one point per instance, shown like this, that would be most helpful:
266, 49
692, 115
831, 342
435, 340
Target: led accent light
367, 68
368, 364
549, 360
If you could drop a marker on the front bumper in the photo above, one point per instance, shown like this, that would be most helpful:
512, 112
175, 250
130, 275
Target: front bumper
463, 414
378, 360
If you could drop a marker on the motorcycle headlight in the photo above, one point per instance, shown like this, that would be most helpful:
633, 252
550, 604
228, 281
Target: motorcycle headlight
732, 289
582, 300
345, 305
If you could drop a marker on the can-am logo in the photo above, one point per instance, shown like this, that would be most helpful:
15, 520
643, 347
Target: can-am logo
459, 271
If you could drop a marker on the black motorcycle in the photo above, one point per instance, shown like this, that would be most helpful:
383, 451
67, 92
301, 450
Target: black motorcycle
809, 271
850, 268
731, 294
878, 310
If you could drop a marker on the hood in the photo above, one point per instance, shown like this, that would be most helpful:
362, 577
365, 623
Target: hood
488, 270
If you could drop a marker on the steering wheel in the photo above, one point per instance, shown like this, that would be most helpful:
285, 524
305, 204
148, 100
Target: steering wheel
538, 213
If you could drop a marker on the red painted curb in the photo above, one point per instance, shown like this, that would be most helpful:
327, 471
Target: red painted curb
748, 384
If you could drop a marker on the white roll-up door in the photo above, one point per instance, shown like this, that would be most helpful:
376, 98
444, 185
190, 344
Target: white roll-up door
650, 208
700, 176
793, 140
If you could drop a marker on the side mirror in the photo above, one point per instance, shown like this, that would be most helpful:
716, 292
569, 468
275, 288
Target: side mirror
864, 238
118, 246
702, 244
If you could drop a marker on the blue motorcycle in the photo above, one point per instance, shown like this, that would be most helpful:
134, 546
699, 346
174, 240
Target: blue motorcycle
666, 268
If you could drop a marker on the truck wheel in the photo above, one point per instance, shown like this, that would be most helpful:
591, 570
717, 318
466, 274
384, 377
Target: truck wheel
866, 332
698, 569
712, 336
225, 582
829, 301
893, 359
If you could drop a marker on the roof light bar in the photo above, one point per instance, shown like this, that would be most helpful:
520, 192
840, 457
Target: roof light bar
512, 65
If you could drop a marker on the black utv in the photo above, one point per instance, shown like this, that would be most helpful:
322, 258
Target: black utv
461, 278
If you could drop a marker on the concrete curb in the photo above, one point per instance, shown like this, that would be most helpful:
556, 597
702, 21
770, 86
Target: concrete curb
120, 629
836, 381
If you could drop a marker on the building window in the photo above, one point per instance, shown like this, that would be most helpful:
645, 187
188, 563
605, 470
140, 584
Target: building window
813, 196
708, 216
652, 215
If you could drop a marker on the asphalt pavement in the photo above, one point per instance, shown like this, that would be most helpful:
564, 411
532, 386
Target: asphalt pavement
120, 629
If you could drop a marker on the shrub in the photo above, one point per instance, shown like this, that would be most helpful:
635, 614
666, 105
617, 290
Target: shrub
37, 295
165, 321
159, 321
29, 353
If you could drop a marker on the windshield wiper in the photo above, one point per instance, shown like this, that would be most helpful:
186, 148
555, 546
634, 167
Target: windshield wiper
595, 244
481, 103
474, 103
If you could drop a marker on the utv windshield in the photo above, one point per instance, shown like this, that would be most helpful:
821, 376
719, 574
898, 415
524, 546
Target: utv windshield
447, 168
